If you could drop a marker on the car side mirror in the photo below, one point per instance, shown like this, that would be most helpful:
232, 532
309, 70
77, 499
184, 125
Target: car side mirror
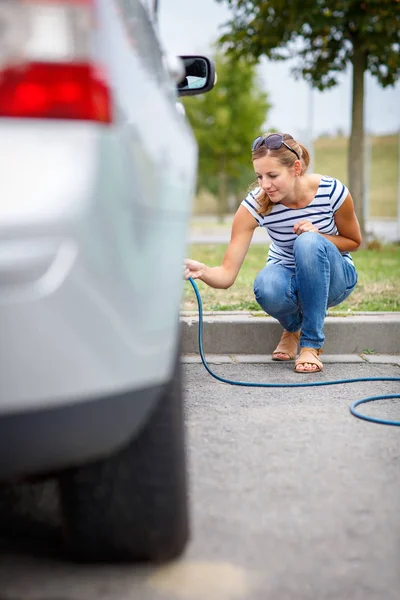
200, 76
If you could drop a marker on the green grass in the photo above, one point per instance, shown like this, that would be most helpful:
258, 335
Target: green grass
378, 287
331, 159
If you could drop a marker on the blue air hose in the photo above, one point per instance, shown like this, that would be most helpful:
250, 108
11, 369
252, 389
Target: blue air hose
352, 407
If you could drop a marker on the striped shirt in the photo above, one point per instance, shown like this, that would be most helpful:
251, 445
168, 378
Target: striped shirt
279, 222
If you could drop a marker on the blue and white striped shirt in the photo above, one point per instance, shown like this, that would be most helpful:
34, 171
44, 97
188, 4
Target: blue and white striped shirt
279, 222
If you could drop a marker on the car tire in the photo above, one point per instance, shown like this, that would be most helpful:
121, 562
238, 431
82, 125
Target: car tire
133, 505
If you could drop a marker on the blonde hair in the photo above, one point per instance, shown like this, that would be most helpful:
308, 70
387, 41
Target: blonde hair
286, 158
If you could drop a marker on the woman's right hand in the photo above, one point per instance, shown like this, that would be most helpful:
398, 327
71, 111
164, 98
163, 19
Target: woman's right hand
193, 269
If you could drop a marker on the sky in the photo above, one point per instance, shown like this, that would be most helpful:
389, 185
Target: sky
191, 26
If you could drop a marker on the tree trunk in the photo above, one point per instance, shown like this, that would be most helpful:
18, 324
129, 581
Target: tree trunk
222, 191
356, 147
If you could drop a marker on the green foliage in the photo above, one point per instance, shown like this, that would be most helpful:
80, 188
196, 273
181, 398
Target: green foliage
225, 122
323, 34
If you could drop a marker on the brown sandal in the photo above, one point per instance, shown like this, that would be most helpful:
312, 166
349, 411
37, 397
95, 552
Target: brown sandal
309, 356
287, 345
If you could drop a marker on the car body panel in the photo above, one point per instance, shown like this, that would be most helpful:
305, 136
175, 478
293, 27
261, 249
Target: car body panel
93, 223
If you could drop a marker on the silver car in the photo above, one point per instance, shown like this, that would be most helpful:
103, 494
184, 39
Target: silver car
97, 174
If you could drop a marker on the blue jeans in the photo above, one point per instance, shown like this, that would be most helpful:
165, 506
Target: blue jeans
299, 296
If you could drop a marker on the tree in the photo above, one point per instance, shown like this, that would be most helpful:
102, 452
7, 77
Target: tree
225, 122
325, 35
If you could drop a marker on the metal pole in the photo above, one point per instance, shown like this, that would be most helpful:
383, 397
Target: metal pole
367, 161
367, 178
398, 191
310, 127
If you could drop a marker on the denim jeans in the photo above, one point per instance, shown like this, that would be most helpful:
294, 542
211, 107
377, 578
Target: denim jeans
299, 296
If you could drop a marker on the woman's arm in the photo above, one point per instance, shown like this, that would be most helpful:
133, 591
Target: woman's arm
224, 276
349, 238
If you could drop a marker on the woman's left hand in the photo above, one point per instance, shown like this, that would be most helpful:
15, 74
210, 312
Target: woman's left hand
303, 226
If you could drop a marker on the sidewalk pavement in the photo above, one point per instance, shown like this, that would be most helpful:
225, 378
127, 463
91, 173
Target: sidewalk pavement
252, 337
205, 230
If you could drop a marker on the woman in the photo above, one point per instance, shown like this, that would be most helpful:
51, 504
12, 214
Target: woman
311, 221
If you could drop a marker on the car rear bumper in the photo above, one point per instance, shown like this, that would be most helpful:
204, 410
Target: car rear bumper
45, 441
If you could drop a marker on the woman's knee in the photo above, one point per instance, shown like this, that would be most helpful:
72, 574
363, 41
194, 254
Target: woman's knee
308, 242
267, 282
260, 287
271, 288
309, 248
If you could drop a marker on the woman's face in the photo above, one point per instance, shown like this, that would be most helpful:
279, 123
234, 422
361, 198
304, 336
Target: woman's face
274, 178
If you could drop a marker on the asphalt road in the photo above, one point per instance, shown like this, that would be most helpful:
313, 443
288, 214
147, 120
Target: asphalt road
292, 499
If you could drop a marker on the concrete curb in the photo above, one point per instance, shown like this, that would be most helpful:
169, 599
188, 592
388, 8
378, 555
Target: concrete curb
262, 359
236, 334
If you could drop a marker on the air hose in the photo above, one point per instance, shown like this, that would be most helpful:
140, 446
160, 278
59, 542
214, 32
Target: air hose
352, 407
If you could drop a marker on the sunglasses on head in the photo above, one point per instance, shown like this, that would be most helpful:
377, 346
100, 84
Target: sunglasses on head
274, 141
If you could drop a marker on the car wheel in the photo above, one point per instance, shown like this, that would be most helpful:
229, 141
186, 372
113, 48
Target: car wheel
133, 504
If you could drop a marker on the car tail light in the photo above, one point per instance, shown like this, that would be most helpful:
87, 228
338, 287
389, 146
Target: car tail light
46, 65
